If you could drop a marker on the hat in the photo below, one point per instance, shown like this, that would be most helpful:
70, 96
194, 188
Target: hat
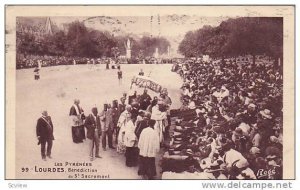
94, 109
178, 128
141, 113
205, 163
250, 87
274, 139
273, 163
273, 151
223, 88
192, 105
175, 142
271, 157
128, 107
189, 152
178, 138
266, 113
246, 174
238, 131
242, 163
254, 150
202, 111
196, 92
215, 166
251, 105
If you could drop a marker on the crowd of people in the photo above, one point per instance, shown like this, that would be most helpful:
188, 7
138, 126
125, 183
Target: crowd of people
134, 127
228, 127
32, 61
230, 122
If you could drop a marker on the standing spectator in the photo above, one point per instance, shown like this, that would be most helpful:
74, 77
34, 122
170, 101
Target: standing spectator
107, 64
115, 115
92, 123
141, 73
125, 97
37, 73
107, 130
44, 133
120, 76
102, 116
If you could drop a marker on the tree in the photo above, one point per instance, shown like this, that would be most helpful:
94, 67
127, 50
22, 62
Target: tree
115, 51
55, 44
80, 41
148, 45
234, 37
26, 43
101, 43
188, 46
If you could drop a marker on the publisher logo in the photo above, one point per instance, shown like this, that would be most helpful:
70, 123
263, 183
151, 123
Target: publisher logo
262, 173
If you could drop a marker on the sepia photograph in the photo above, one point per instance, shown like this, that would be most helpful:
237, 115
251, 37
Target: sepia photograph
149, 92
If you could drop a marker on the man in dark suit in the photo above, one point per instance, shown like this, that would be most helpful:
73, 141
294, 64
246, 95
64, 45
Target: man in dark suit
132, 97
116, 114
44, 133
145, 100
107, 127
142, 124
93, 126
122, 105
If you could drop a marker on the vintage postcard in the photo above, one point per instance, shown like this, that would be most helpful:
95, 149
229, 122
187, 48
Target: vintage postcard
149, 92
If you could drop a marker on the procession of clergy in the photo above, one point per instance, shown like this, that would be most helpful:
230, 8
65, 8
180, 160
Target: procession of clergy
135, 127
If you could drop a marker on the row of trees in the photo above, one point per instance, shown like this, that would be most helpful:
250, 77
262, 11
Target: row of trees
81, 41
234, 37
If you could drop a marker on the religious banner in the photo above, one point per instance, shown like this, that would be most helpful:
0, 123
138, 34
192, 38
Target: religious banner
146, 82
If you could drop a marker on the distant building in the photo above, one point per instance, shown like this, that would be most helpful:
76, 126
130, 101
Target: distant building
48, 27
38, 26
